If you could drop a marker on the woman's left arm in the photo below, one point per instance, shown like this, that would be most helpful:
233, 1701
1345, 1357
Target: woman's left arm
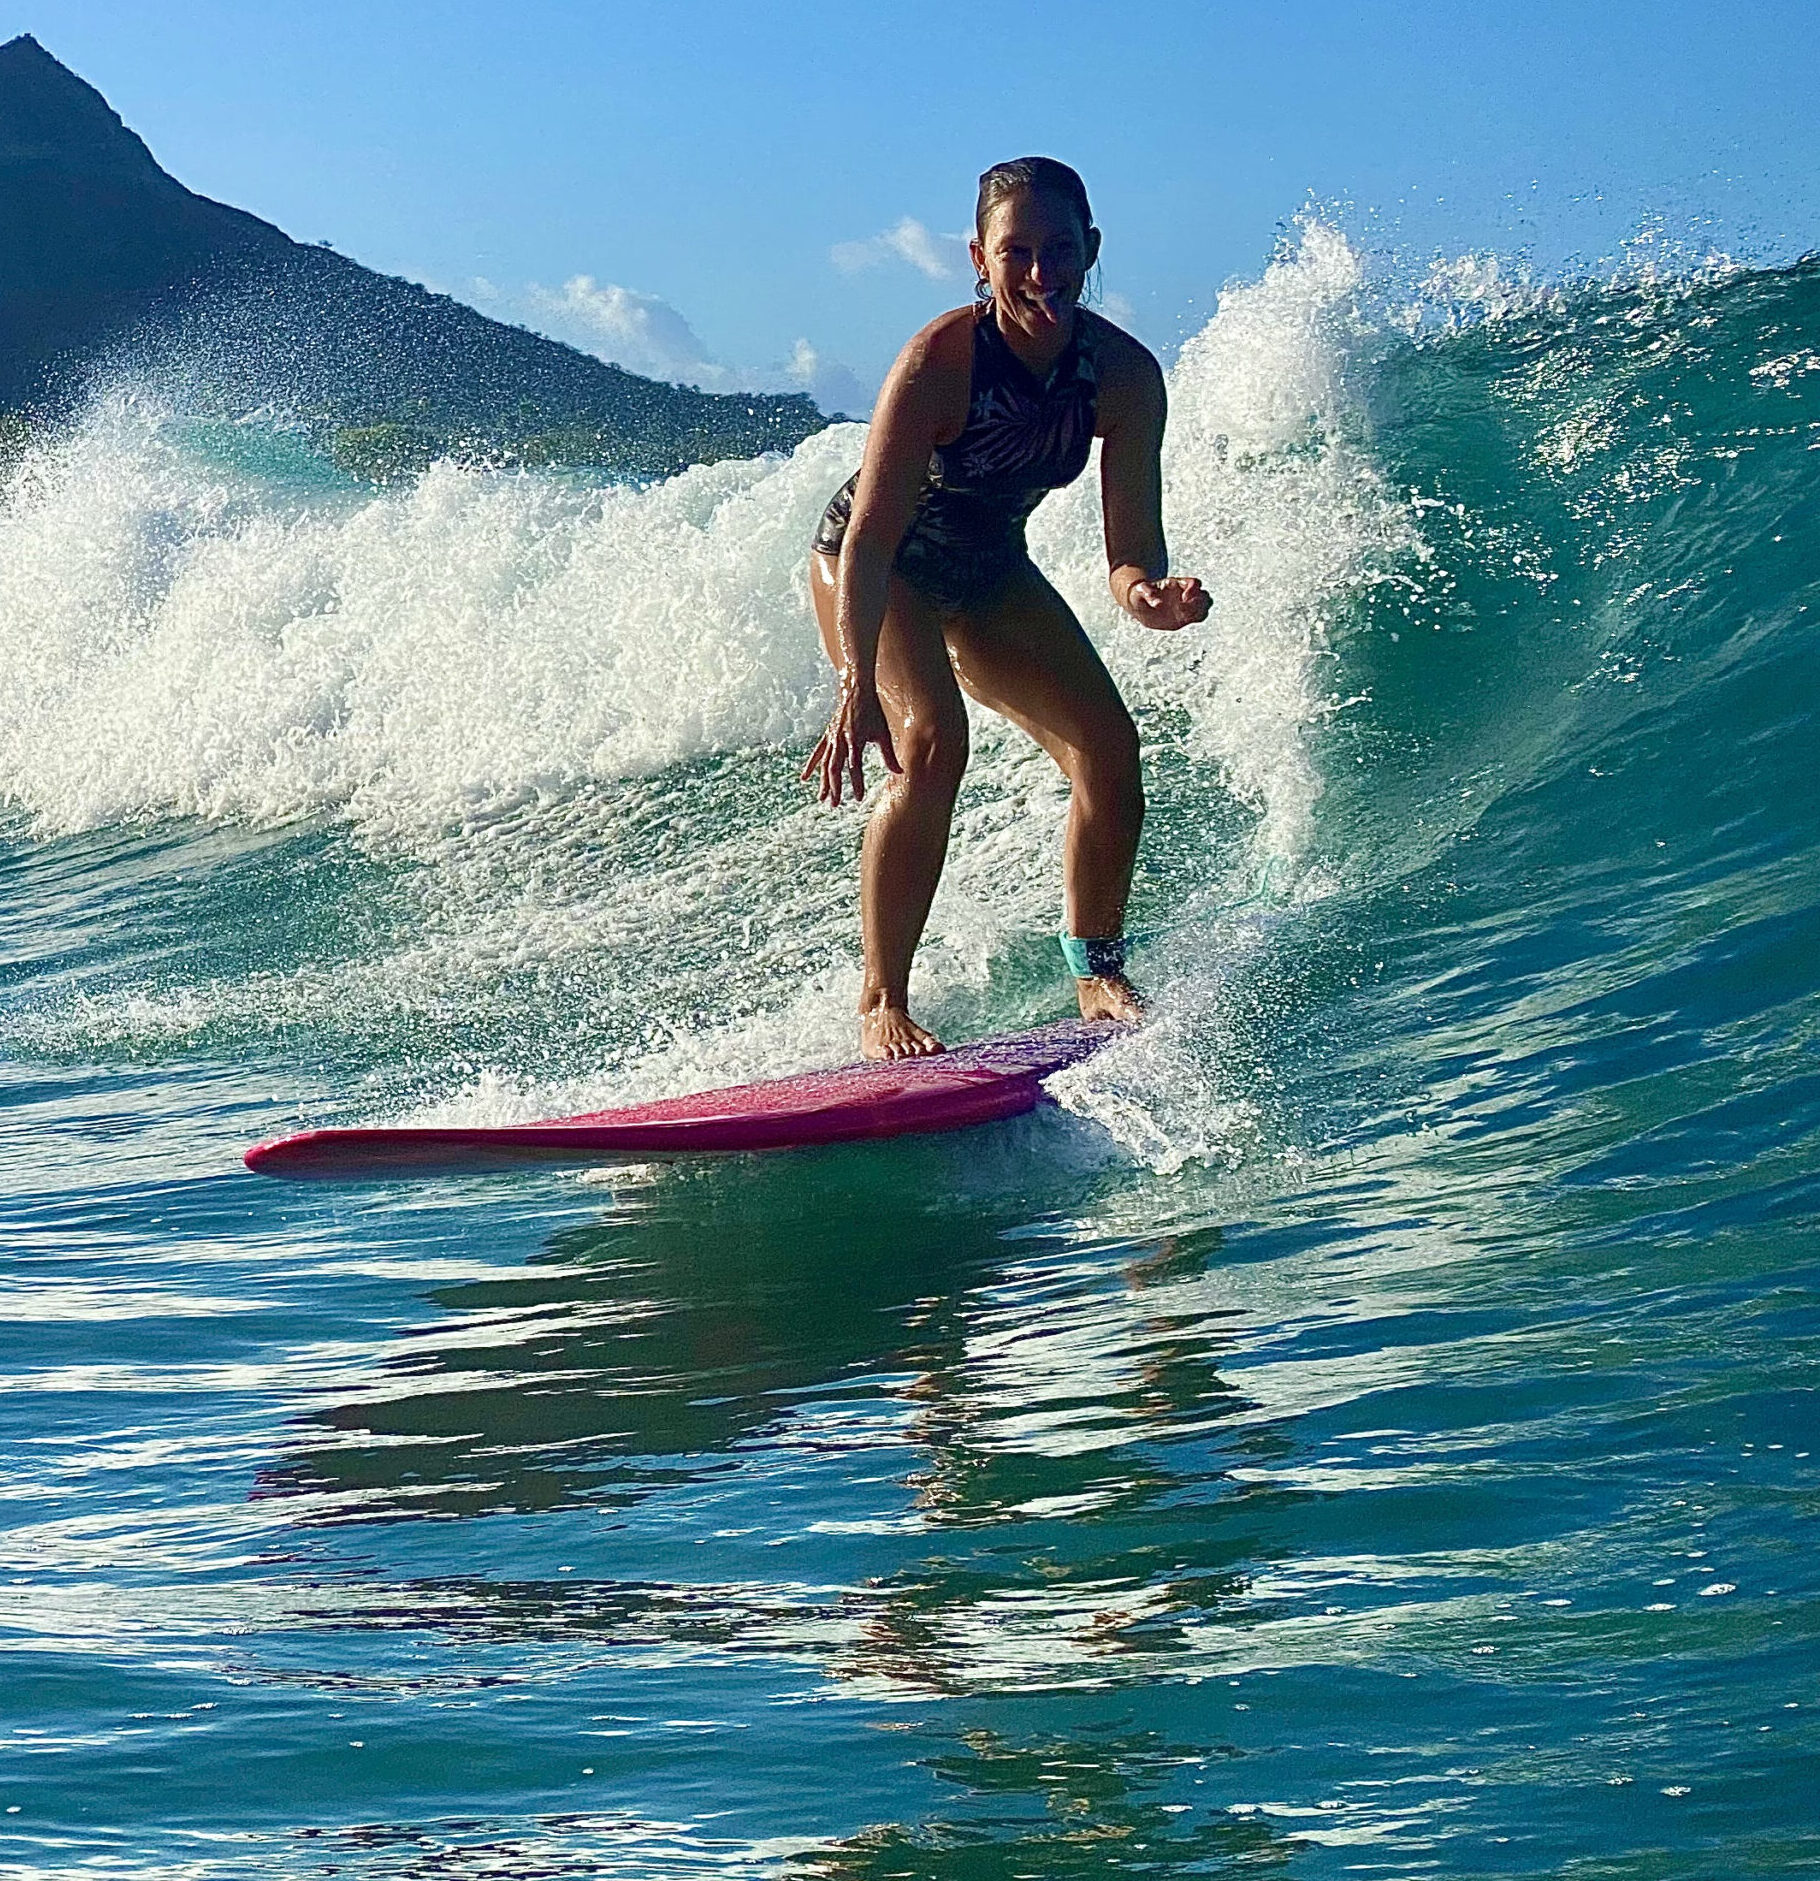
1133, 409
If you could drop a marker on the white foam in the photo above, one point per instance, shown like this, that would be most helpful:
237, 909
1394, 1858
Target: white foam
1271, 497
180, 642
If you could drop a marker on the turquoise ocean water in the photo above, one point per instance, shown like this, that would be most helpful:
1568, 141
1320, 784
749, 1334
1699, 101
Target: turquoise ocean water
1367, 1428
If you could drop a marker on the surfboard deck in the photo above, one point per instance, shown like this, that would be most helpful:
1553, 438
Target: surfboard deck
979, 1083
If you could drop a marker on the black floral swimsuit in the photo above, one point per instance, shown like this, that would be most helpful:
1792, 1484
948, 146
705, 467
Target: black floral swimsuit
1024, 437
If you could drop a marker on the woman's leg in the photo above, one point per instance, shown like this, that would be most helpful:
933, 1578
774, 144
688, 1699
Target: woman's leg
907, 837
1029, 659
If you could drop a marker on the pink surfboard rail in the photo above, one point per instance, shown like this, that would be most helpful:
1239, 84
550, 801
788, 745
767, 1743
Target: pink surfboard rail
979, 1083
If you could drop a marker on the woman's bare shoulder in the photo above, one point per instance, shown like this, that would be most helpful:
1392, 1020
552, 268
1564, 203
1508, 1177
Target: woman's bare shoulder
1121, 355
1131, 381
931, 381
944, 345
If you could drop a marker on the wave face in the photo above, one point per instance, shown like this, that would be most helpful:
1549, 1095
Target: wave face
1371, 1421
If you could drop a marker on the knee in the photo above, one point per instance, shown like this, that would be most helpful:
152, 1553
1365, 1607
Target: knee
933, 753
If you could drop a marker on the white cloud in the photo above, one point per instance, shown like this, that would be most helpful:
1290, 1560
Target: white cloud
647, 335
833, 386
940, 257
644, 334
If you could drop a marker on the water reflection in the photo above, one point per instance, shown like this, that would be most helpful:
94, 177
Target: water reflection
1086, 1804
646, 1346
778, 1353
1091, 1803
728, 1310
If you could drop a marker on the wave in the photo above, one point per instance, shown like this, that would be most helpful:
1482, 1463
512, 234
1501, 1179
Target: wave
1510, 616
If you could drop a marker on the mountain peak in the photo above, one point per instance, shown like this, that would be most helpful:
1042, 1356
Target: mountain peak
107, 262
50, 116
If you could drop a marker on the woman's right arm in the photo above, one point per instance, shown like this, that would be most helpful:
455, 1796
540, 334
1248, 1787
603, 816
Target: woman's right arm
923, 403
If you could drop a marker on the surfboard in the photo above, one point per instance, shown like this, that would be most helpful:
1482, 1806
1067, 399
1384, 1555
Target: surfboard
972, 1084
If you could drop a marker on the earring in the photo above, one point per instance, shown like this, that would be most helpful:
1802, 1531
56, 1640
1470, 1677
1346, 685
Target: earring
982, 290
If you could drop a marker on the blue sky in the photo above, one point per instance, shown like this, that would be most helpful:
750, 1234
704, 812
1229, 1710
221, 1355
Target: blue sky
740, 194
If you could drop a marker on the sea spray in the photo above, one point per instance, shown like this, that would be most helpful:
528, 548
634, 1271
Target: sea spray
1273, 497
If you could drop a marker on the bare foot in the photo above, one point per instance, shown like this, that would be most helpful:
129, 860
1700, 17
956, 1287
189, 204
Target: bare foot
1112, 997
889, 1032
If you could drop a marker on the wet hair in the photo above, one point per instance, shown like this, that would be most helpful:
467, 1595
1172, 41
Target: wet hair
1035, 174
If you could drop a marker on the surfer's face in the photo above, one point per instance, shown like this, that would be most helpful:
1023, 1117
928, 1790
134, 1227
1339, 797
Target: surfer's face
1035, 254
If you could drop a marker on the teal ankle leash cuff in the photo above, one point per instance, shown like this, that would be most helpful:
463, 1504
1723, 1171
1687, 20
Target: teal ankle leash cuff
1094, 959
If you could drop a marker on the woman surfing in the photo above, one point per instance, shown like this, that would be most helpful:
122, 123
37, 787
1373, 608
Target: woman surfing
923, 586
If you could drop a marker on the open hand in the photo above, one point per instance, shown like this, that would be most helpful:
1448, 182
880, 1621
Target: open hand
1168, 602
858, 721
